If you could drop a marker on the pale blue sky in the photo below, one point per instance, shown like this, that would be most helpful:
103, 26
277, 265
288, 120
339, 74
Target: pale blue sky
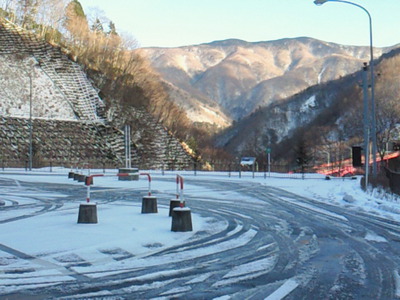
172, 23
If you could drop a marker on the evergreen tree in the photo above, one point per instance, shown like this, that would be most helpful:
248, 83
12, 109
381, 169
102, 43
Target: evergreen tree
113, 29
97, 27
77, 26
74, 14
77, 9
303, 157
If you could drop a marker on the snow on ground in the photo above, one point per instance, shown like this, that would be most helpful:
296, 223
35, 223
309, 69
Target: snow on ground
344, 192
121, 224
54, 239
120, 220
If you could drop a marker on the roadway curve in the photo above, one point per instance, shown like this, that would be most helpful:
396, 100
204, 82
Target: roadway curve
275, 244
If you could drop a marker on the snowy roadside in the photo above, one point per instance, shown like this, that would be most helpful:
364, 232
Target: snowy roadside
58, 247
344, 192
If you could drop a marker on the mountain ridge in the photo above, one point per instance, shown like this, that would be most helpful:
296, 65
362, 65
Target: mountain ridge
327, 116
234, 77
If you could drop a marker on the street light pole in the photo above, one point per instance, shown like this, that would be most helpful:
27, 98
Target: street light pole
366, 121
30, 73
373, 117
30, 122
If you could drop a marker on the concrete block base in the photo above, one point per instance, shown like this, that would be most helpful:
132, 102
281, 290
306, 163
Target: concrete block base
181, 219
133, 171
174, 203
149, 205
81, 178
87, 213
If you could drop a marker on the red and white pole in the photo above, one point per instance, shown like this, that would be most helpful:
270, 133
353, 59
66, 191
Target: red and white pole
143, 174
88, 181
88, 194
179, 181
149, 179
181, 217
177, 186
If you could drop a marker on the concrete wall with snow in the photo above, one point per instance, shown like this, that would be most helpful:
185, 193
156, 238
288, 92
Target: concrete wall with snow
69, 143
69, 122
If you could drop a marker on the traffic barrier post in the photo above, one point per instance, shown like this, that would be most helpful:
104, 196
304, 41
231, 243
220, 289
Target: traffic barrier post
88, 211
149, 202
181, 216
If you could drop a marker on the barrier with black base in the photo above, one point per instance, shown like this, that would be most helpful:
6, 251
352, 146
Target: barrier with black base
181, 215
87, 213
181, 219
149, 205
174, 203
81, 178
149, 202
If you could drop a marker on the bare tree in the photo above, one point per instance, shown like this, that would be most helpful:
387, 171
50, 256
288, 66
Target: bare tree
387, 120
27, 11
7, 5
51, 17
129, 42
96, 15
387, 104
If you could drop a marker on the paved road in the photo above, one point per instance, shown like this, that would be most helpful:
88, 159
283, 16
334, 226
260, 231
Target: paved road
274, 245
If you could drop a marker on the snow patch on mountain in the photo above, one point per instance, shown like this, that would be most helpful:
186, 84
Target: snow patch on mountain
320, 75
208, 115
309, 103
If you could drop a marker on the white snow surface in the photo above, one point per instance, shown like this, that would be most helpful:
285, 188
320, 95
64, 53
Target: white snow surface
308, 104
48, 101
55, 239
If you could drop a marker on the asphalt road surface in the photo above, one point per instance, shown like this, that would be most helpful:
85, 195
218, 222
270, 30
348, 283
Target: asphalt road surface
276, 245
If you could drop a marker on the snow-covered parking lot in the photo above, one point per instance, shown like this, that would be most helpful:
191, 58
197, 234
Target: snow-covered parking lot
45, 253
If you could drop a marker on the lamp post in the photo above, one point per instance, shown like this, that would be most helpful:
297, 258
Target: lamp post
30, 122
33, 64
373, 118
366, 122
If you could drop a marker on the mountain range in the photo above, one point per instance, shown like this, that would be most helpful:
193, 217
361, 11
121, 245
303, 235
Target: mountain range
225, 81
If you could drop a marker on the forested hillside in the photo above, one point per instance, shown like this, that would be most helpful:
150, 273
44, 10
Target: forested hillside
326, 118
130, 93
303, 95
